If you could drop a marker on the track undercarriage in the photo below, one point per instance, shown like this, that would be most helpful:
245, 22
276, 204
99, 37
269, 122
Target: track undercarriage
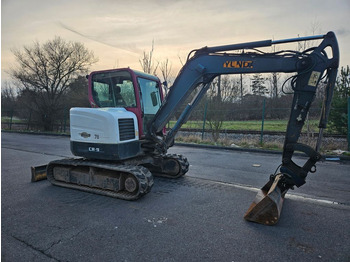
128, 180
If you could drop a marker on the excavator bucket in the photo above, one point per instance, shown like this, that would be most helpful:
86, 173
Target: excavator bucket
38, 173
267, 205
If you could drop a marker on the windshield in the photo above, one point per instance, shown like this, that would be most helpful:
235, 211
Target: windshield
113, 89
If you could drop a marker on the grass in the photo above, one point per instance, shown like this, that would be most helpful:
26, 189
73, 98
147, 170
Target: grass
328, 146
252, 125
6, 119
243, 143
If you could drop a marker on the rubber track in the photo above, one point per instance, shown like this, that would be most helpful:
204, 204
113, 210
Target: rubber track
143, 175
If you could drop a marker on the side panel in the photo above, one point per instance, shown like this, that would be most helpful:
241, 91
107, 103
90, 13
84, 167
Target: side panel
104, 133
103, 125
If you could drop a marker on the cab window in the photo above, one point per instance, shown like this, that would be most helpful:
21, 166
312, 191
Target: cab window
150, 95
113, 89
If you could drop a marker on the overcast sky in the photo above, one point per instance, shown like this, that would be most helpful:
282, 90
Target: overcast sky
118, 31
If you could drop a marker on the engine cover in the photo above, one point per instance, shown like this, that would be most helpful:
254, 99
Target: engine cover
104, 133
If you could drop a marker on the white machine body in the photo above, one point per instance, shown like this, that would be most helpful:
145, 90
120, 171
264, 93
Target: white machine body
104, 133
103, 125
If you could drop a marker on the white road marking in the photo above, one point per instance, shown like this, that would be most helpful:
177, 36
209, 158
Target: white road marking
302, 198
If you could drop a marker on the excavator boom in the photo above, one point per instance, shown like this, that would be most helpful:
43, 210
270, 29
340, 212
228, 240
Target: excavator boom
209, 62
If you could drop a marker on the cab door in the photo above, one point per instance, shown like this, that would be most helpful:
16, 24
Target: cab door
150, 99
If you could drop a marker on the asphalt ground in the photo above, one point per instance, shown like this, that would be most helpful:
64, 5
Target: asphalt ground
195, 218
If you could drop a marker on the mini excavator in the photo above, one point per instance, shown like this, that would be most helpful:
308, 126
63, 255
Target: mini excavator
121, 142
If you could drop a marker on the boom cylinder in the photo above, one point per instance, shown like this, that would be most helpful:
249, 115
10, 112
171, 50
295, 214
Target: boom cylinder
256, 44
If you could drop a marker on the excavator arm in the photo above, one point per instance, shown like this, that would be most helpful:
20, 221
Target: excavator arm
311, 66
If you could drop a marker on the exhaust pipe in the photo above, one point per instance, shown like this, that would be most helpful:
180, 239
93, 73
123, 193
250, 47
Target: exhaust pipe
267, 205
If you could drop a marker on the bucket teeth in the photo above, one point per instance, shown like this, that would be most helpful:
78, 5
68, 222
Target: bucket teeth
267, 205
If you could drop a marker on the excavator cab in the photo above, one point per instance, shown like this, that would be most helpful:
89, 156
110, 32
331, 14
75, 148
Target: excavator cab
135, 91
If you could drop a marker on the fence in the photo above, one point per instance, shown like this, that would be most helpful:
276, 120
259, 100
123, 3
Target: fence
257, 119
199, 119
23, 120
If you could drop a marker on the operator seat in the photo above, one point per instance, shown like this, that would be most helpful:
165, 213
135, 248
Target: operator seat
119, 100
95, 96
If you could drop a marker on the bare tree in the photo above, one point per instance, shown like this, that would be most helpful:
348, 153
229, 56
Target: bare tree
223, 91
147, 63
273, 80
181, 60
230, 88
165, 69
45, 71
215, 116
226, 87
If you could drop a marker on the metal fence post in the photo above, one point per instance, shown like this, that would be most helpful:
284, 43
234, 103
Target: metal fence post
64, 120
30, 117
348, 123
205, 118
11, 119
262, 122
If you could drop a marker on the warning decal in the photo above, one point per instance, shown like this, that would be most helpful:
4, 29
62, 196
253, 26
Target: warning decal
314, 78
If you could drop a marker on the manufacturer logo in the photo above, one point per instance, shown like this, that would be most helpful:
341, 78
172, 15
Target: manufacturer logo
84, 134
238, 64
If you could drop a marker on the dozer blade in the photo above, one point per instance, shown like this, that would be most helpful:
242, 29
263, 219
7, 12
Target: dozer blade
38, 173
267, 205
